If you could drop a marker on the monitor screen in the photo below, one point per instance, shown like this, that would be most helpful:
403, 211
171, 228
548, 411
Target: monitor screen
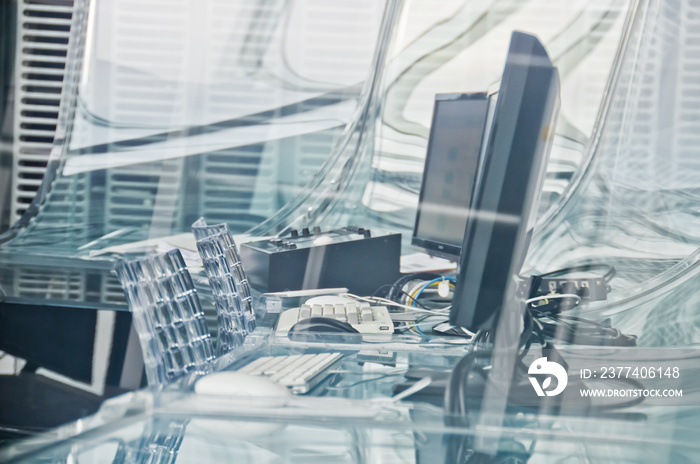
82, 348
450, 172
502, 216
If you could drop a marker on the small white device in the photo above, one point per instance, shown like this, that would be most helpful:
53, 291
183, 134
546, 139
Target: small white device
364, 318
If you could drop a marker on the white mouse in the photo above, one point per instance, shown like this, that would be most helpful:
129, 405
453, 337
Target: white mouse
260, 392
240, 385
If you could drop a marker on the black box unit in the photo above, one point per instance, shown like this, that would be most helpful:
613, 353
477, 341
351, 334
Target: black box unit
348, 257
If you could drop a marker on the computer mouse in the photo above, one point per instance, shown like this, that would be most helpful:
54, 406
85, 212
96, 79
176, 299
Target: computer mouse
245, 390
241, 385
321, 325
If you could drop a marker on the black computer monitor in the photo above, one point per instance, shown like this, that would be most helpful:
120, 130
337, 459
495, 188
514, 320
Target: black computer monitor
450, 172
500, 222
85, 348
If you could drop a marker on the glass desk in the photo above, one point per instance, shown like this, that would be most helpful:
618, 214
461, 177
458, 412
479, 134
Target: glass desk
351, 417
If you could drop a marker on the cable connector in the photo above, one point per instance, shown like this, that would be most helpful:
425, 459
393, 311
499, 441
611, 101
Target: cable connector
443, 288
590, 289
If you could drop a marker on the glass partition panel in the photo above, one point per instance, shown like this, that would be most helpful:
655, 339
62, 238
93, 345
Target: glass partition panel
262, 113
171, 111
634, 207
215, 109
621, 245
460, 46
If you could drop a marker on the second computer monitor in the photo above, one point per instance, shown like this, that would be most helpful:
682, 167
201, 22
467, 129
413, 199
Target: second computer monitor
450, 172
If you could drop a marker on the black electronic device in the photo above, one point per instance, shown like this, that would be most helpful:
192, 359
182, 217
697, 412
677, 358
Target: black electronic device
450, 172
504, 202
578, 280
75, 359
351, 257
590, 289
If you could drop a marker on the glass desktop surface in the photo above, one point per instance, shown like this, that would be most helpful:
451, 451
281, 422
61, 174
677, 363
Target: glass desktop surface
351, 419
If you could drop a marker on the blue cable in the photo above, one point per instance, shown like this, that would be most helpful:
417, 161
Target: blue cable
426, 285
415, 326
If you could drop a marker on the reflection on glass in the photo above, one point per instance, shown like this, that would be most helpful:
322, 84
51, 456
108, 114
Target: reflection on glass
159, 443
457, 46
276, 114
191, 112
634, 206
206, 108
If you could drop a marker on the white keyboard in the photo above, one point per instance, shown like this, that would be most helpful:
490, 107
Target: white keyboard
299, 372
364, 318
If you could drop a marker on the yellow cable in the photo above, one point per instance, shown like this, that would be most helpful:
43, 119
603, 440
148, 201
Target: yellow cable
413, 298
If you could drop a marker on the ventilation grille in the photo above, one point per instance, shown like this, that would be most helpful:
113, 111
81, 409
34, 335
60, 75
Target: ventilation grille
238, 185
41, 284
242, 186
111, 291
687, 140
137, 199
42, 38
147, 41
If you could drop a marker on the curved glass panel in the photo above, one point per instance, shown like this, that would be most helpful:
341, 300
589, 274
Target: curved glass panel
635, 204
459, 47
625, 230
215, 109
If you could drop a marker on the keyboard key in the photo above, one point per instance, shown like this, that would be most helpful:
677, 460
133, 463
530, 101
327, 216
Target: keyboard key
271, 368
304, 312
301, 366
291, 366
328, 310
253, 367
260, 368
318, 365
316, 310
